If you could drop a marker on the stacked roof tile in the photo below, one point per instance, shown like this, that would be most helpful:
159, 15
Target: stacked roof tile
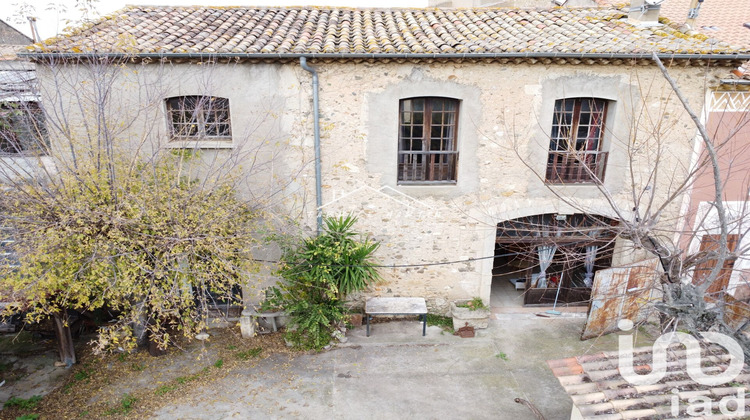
375, 32
600, 392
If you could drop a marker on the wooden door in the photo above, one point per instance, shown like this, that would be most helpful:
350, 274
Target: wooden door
711, 243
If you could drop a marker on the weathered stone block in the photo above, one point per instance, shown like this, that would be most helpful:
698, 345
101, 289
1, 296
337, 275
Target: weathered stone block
247, 324
477, 318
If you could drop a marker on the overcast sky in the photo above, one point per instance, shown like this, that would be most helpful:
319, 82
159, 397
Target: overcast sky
53, 15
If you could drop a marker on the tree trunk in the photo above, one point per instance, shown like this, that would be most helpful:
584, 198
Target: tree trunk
64, 339
140, 329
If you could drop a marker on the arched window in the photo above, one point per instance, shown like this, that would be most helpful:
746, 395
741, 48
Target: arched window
575, 154
427, 151
198, 117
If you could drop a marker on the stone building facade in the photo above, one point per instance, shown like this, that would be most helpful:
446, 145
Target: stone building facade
499, 110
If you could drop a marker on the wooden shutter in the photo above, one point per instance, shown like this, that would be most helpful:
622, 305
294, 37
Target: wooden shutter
711, 243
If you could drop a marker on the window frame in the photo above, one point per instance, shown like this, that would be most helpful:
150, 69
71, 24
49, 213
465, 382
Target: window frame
434, 162
178, 115
33, 141
571, 158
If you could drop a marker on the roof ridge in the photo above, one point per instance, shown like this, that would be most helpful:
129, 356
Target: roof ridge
317, 30
310, 7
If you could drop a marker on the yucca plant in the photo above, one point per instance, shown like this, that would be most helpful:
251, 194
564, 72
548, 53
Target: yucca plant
318, 275
351, 262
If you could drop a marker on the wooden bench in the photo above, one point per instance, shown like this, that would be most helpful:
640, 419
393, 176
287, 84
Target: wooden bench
396, 306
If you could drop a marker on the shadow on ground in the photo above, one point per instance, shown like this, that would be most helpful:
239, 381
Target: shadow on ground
397, 374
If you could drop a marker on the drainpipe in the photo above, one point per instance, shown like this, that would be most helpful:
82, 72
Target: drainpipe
316, 122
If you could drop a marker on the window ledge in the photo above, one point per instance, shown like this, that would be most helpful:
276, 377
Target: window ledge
426, 183
200, 144
573, 184
23, 155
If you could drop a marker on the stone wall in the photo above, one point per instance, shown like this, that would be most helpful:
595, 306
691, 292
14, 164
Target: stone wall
504, 124
503, 128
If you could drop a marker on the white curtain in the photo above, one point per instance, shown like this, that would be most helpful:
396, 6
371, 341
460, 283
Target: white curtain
589, 263
546, 252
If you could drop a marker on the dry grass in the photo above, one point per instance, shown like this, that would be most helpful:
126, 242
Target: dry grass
134, 386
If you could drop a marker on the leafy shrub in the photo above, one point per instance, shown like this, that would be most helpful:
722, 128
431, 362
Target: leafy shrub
336, 258
313, 323
143, 238
318, 274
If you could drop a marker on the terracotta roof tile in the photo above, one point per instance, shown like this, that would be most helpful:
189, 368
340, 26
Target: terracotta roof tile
600, 392
720, 19
310, 30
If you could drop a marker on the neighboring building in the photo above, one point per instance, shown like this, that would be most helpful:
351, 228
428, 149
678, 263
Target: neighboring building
21, 121
726, 115
11, 41
455, 135
727, 119
526, 4
722, 20
510, 3
17, 78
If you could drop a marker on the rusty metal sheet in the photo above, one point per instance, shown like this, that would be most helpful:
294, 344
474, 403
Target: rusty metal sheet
621, 293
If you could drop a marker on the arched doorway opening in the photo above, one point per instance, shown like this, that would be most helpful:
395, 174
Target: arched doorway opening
547, 258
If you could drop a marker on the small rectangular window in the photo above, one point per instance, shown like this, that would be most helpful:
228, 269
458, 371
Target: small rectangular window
199, 118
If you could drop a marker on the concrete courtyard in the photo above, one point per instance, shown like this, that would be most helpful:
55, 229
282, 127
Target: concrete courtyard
398, 374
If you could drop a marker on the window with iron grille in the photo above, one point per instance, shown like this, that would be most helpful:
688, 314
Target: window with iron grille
199, 117
22, 128
575, 154
427, 150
